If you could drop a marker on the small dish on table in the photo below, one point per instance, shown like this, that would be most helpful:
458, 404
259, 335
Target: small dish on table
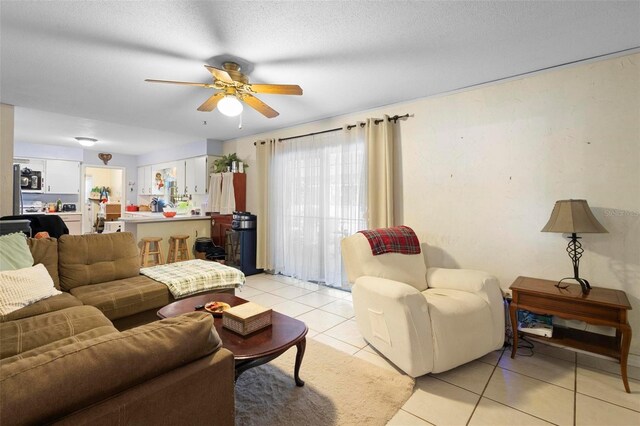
216, 308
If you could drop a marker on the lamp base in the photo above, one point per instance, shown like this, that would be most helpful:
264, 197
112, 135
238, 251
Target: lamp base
584, 284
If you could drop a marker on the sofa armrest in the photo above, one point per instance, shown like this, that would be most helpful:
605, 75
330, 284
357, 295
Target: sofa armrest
480, 283
394, 318
201, 392
74, 376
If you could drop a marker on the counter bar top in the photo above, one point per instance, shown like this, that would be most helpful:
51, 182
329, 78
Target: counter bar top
53, 213
146, 217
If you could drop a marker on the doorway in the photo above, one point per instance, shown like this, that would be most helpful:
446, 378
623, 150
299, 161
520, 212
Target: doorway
99, 183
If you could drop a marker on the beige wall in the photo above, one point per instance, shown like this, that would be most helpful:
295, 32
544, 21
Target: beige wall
110, 178
480, 170
6, 159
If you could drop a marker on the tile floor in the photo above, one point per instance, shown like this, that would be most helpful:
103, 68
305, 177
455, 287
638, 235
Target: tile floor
554, 386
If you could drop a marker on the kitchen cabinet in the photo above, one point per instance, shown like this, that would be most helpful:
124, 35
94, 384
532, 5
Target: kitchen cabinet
62, 177
190, 176
196, 175
181, 181
144, 180
220, 224
73, 222
239, 191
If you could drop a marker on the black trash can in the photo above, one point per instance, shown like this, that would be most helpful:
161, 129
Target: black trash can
205, 248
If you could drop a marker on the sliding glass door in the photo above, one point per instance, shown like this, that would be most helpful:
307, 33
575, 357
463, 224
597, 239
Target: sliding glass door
318, 188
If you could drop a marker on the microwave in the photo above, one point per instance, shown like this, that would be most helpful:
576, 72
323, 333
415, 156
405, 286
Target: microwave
31, 180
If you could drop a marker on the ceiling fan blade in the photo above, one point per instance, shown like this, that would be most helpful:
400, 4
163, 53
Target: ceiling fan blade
277, 89
185, 83
260, 106
210, 104
219, 74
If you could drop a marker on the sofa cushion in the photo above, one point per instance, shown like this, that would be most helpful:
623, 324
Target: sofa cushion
27, 333
96, 258
23, 287
359, 261
122, 298
45, 251
53, 303
79, 337
42, 388
14, 252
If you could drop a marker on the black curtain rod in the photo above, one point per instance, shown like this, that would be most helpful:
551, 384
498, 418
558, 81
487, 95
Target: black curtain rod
395, 119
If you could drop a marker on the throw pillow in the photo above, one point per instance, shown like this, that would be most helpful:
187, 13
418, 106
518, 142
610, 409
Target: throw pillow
14, 252
24, 287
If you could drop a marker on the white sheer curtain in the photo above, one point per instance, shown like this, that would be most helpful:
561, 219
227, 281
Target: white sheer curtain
318, 185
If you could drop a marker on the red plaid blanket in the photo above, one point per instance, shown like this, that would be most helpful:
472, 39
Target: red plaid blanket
399, 239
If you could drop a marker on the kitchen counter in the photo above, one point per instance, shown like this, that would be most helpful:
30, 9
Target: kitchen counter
147, 224
148, 217
73, 220
58, 213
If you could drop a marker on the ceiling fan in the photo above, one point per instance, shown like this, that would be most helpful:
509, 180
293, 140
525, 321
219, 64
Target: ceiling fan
235, 87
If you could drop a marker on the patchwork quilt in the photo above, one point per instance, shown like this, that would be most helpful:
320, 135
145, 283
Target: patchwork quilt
195, 276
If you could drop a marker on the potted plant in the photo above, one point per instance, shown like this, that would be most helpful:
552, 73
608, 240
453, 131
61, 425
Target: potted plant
95, 193
225, 163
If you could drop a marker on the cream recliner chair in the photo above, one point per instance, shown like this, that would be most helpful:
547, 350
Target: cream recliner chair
423, 320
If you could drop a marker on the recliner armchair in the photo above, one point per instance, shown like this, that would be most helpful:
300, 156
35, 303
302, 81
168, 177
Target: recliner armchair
423, 320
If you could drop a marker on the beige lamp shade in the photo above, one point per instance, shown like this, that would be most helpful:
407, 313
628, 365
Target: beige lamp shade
573, 216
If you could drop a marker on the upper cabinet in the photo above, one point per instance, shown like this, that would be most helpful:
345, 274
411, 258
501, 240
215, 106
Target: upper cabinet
190, 176
62, 177
196, 176
181, 184
144, 180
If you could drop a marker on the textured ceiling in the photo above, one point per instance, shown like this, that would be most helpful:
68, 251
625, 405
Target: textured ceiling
88, 60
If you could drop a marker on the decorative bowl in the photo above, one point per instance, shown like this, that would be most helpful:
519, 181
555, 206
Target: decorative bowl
168, 214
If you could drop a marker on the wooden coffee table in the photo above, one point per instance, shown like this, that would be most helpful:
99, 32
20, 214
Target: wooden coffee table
257, 348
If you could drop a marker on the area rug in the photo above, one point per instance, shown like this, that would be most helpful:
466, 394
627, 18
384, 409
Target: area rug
339, 390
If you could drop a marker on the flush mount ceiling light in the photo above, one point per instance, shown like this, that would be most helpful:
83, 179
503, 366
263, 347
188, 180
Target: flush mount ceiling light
230, 106
86, 141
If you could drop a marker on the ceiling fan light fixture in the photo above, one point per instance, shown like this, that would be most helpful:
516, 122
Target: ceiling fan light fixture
86, 141
230, 106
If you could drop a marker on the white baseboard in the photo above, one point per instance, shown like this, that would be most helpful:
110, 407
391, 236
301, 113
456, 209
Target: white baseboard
634, 360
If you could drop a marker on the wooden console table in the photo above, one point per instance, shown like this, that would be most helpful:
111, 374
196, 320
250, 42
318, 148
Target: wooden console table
602, 306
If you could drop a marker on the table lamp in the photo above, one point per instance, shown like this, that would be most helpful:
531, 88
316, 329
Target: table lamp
573, 217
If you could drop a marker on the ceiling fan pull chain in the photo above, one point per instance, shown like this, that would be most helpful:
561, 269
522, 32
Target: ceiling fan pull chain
240, 123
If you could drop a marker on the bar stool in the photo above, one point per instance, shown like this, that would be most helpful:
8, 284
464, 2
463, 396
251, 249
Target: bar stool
178, 249
151, 247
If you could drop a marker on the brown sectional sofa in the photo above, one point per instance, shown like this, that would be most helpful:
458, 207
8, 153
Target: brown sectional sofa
66, 359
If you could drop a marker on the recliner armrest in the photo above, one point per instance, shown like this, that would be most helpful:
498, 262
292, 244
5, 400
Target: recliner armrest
387, 288
468, 280
479, 283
